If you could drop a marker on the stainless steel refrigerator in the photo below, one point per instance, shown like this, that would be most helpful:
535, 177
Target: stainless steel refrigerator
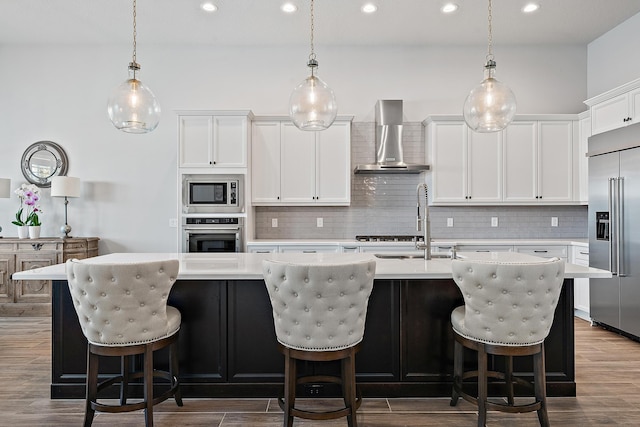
614, 228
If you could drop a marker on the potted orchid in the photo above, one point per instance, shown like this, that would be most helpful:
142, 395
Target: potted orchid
29, 195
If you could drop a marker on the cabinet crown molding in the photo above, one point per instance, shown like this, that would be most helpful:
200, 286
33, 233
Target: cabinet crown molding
620, 90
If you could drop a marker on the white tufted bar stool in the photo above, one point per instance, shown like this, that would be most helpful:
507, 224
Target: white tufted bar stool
122, 309
508, 311
319, 313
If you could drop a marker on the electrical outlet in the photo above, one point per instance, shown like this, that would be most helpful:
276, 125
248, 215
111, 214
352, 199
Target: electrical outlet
494, 221
554, 221
319, 222
274, 222
449, 222
314, 389
173, 223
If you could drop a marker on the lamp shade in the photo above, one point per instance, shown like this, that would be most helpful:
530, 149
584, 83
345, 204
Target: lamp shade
5, 188
65, 186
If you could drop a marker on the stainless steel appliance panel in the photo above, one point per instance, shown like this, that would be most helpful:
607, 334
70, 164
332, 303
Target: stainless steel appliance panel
604, 294
614, 234
630, 245
212, 234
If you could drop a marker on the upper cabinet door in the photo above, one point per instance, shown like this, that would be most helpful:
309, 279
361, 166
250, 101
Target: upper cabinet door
265, 159
484, 167
610, 114
195, 141
520, 162
448, 141
555, 165
230, 141
333, 164
298, 165
213, 141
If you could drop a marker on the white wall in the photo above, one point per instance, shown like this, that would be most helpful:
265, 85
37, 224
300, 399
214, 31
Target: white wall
613, 57
59, 93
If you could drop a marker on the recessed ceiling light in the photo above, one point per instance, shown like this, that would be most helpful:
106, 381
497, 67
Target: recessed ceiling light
530, 7
288, 7
369, 8
449, 8
209, 7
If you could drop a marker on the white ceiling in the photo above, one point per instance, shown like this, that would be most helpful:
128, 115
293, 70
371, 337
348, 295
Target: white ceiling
338, 22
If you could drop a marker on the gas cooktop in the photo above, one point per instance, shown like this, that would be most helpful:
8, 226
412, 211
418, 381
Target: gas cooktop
389, 238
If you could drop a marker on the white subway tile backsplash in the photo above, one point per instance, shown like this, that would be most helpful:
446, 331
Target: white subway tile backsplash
386, 204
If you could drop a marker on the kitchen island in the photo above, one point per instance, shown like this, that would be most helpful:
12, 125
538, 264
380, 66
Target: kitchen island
227, 339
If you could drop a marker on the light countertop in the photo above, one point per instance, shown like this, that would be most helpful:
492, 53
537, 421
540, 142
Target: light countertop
434, 242
248, 266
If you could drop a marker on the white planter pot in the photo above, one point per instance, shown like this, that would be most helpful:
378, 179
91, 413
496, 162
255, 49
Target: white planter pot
23, 231
34, 231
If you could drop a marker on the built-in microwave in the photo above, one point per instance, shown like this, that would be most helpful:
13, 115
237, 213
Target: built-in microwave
212, 193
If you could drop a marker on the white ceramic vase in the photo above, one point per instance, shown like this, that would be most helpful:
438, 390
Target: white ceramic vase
34, 231
23, 231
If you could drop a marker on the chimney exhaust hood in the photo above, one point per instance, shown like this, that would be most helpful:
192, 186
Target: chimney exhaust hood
389, 155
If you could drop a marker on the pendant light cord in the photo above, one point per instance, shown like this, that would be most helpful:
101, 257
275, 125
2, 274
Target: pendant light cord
134, 66
313, 64
490, 37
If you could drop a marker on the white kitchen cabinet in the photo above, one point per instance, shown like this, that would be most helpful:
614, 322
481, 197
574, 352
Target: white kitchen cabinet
265, 165
299, 168
615, 112
580, 256
213, 139
484, 248
584, 132
309, 249
530, 162
262, 249
546, 251
466, 165
539, 159
349, 248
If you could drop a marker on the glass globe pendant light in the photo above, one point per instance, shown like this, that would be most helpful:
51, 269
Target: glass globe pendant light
132, 107
312, 105
491, 106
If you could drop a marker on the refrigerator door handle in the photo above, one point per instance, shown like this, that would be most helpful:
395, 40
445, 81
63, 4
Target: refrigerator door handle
620, 226
612, 226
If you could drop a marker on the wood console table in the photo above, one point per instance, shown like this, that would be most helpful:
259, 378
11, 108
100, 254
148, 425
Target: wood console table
33, 297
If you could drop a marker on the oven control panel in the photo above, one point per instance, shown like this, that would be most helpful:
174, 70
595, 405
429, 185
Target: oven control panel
211, 221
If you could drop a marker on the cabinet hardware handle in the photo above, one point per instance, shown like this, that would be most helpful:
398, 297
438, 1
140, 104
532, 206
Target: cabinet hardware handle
541, 252
214, 162
36, 246
278, 197
308, 252
210, 163
584, 253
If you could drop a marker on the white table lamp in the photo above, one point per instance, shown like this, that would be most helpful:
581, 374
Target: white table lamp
65, 186
5, 190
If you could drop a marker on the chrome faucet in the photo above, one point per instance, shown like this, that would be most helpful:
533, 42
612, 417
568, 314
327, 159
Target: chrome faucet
423, 224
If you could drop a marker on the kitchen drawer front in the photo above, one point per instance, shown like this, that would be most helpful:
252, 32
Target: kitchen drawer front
484, 248
262, 249
309, 249
37, 246
544, 251
580, 255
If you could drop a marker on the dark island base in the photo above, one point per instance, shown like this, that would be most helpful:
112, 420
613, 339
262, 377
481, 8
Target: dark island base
228, 344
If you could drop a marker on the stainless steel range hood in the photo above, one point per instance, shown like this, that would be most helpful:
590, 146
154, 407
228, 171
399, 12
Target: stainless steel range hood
389, 155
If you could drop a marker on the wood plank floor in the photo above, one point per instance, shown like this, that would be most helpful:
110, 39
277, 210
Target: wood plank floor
607, 371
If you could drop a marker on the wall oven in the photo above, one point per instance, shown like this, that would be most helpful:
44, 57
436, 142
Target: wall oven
212, 234
212, 193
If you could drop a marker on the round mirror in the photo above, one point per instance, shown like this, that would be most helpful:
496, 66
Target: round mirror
42, 161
